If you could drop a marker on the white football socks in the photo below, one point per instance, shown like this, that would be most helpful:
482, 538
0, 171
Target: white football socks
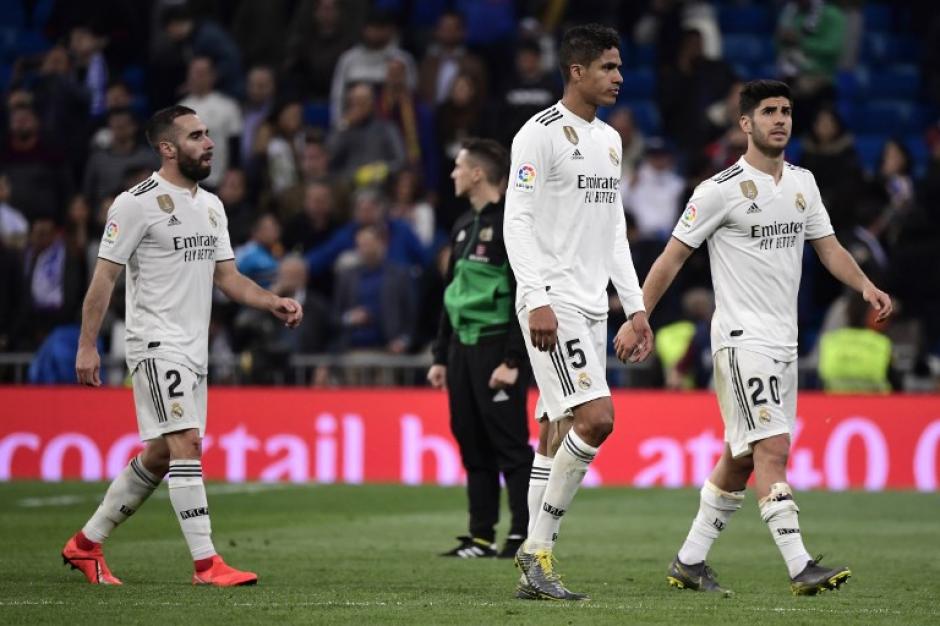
568, 469
188, 496
538, 480
125, 494
716, 507
779, 511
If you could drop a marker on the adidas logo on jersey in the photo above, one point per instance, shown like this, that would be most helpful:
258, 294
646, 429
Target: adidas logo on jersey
753, 208
577, 155
174, 221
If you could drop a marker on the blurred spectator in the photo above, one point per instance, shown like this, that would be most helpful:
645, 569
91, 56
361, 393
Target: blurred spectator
258, 258
631, 137
258, 29
40, 182
461, 116
930, 67
62, 103
446, 58
55, 280
105, 169
320, 31
688, 88
369, 209
219, 112
260, 91
894, 175
12, 294
13, 226
399, 105
654, 195
282, 138
684, 346
182, 38
314, 168
727, 149
364, 149
233, 193
408, 204
374, 304
117, 96
316, 223
86, 49
856, 358
81, 237
725, 113
367, 62
315, 331
829, 153
526, 91
810, 35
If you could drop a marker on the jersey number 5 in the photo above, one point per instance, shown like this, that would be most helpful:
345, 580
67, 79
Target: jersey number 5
575, 354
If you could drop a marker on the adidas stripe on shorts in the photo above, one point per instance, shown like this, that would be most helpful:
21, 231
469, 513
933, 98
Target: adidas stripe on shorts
757, 396
573, 373
169, 397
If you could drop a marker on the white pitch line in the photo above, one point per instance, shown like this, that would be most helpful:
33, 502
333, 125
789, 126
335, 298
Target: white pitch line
211, 489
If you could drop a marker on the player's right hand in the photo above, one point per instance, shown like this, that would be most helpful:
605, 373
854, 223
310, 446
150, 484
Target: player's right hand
88, 366
625, 341
437, 376
543, 328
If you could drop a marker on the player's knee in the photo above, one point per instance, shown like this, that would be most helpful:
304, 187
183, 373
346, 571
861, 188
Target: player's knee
772, 451
596, 427
185, 445
779, 500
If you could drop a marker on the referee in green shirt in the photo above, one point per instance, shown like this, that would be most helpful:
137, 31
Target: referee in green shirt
481, 358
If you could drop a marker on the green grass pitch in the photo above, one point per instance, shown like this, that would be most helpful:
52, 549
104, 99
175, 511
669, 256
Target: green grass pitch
366, 555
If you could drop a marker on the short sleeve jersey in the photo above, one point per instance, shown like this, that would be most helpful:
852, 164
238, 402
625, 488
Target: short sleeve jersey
755, 229
169, 241
564, 224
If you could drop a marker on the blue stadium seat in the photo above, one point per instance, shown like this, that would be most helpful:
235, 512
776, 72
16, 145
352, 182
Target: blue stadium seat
11, 14
638, 83
920, 154
898, 81
645, 115
878, 17
135, 77
317, 114
749, 49
869, 150
31, 42
884, 49
645, 56
886, 116
751, 19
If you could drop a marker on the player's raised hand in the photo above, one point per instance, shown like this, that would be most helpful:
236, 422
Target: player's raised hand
543, 328
879, 300
288, 311
88, 366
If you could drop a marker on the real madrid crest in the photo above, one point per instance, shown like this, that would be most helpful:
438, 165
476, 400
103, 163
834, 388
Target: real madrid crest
613, 157
176, 410
213, 218
165, 202
763, 415
749, 189
800, 202
570, 134
584, 381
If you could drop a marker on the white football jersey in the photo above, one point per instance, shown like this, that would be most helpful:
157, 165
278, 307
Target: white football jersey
169, 241
564, 227
756, 230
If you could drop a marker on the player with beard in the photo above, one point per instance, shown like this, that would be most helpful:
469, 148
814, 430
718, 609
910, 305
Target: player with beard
172, 237
756, 216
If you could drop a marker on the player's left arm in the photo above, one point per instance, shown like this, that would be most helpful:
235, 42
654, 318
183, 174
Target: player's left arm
840, 264
243, 290
623, 276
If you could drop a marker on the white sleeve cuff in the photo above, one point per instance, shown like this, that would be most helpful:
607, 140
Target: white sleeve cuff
537, 298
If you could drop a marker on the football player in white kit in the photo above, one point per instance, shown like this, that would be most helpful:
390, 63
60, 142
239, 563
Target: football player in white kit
565, 233
172, 237
756, 216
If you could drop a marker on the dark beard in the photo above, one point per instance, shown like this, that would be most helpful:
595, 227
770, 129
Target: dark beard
766, 149
193, 169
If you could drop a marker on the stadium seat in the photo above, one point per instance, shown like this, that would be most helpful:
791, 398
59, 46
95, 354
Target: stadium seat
317, 114
645, 114
751, 19
869, 150
884, 49
920, 154
30, 42
886, 116
638, 83
135, 77
898, 81
878, 17
750, 49
645, 56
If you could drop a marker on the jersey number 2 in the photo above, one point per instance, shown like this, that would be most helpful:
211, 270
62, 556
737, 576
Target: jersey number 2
177, 379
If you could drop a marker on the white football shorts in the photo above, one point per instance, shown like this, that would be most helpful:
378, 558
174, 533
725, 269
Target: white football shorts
757, 396
576, 371
169, 398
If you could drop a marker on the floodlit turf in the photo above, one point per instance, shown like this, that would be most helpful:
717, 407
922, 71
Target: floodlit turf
366, 555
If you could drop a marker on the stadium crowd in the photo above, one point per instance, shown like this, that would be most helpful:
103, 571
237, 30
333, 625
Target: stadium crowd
336, 123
